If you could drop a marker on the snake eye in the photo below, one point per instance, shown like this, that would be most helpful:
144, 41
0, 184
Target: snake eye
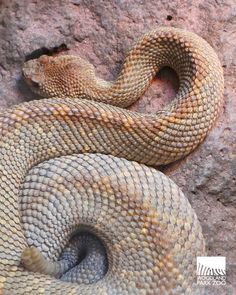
35, 84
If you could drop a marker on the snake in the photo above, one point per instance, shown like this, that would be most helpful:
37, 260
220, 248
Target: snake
83, 211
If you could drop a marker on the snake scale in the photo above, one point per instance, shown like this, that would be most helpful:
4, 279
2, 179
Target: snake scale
78, 214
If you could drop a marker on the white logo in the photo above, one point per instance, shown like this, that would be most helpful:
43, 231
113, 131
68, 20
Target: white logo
211, 270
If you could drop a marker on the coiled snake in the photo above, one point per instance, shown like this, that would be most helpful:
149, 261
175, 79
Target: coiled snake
60, 175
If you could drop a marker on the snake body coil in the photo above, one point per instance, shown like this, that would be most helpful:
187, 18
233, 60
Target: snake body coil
49, 192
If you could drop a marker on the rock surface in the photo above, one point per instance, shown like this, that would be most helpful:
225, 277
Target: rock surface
102, 32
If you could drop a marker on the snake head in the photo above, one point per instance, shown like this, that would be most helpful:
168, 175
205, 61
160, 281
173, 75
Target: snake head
60, 76
33, 73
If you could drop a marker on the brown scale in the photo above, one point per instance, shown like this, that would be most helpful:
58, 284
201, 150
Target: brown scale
149, 230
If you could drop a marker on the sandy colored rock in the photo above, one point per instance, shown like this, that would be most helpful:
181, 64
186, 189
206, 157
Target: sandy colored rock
102, 32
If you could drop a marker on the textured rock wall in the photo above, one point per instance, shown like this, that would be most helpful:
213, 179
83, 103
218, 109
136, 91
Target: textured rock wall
102, 32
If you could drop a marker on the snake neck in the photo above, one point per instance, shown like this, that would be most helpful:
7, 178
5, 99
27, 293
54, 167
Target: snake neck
182, 51
139, 68
191, 57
